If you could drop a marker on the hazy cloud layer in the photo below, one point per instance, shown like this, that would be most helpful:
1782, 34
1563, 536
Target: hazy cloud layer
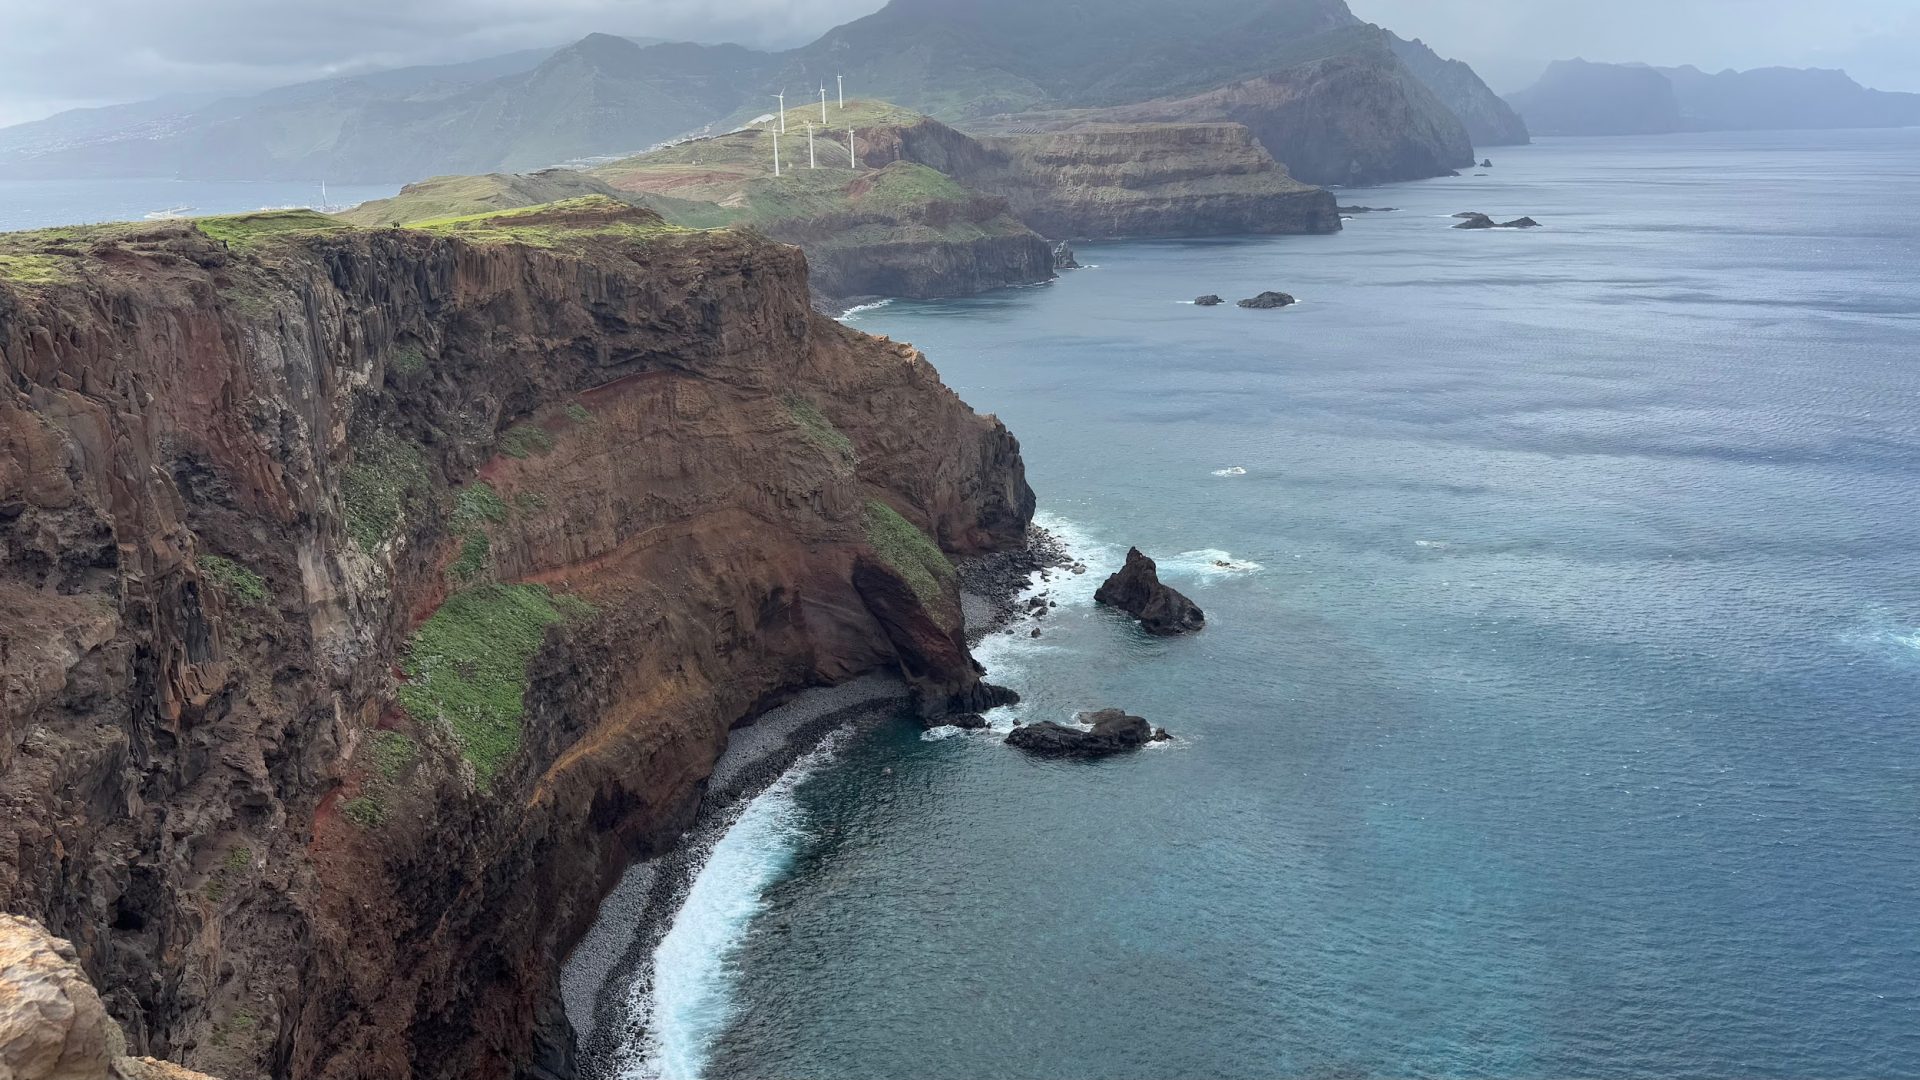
1878, 41
58, 53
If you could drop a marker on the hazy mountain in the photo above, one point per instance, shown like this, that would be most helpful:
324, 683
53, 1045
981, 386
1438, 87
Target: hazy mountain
1785, 98
1575, 97
1578, 98
955, 59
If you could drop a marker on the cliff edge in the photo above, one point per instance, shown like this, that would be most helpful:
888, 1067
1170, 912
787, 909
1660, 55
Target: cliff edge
369, 598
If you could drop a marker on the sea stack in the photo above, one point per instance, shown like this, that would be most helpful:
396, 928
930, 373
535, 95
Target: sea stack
1113, 731
1137, 590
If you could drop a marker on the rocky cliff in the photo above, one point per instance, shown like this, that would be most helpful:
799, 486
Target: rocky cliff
1108, 181
369, 598
1489, 120
1357, 118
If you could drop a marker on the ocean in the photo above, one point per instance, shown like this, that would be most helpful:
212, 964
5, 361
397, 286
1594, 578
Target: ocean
43, 204
1558, 713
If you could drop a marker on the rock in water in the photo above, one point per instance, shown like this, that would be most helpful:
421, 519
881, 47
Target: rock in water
1063, 258
1209, 300
1487, 164
1137, 590
1114, 732
1472, 220
1368, 209
1269, 300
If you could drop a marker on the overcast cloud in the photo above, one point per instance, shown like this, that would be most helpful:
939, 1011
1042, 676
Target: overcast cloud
57, 54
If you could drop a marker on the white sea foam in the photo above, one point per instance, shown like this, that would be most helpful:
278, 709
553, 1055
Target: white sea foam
945, 731
1209, 562
1234, 471
854, 313
1911, 641
692, 997
1006, 654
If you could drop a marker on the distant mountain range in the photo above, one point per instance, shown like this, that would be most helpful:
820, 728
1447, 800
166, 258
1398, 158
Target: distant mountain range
1575, 97
959, 60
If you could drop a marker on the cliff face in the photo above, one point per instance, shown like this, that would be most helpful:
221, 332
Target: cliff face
1356, 118
1489, 120
1100, 181
371, 598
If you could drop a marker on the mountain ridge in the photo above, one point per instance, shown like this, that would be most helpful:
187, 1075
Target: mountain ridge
1579, 97
603, 96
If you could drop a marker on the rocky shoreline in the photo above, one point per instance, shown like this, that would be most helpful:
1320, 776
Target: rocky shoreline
593, 1024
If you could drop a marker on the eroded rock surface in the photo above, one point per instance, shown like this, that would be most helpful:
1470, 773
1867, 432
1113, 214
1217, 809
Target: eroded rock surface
52, 1024
1136, 589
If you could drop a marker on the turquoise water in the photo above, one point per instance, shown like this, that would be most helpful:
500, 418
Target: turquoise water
1557, 712
42, 204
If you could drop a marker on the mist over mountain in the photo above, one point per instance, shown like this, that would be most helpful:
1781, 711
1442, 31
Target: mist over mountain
1575, 97
606, 96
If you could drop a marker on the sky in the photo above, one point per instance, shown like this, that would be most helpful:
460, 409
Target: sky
58, 54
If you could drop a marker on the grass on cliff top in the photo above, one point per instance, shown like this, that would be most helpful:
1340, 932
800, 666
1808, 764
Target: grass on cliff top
32, 269
910, 553
251, 230
552, 225
468, 665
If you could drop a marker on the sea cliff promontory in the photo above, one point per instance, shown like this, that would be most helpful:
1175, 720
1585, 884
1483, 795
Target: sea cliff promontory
372, 596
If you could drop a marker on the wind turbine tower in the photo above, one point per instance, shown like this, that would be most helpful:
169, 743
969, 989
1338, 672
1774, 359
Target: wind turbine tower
782, 95
812, 162
853, 161
776, 151
842, 80
823, 104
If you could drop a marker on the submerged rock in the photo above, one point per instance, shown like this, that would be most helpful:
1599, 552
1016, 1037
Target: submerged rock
1266, 301
1137, 590
1114, 731
1209, 300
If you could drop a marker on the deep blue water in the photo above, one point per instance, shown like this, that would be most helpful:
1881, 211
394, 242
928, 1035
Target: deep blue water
1559, 711
41, 204
1557, 715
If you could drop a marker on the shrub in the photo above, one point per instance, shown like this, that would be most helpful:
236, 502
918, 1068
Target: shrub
238, 582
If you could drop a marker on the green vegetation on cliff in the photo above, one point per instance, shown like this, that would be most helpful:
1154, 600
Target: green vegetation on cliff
820, 431
386, 473
552, 225
910, 553
235, 580
251, 230
467, 665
